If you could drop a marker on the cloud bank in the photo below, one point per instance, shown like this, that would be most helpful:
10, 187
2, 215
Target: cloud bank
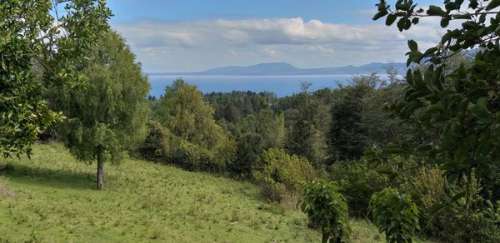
195, 46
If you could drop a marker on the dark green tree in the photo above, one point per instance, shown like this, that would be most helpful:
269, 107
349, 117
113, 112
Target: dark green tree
107, 115
348, 136
38, 48
305, 127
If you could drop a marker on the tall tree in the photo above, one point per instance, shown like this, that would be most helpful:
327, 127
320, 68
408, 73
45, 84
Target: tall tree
107, 116
306, 124
348, 137
32, 41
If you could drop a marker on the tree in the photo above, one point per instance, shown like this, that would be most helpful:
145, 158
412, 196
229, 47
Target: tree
108, 115
327, 209
306, 123
395, 214
459, 106
32, 42
201, 142
348, 137
255, 134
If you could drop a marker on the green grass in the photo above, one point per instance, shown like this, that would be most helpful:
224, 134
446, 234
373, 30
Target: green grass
50, 198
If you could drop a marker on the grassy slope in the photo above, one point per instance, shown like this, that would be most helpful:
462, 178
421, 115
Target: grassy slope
51, 199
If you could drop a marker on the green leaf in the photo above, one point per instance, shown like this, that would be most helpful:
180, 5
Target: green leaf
436, 11
445, 21
391, 18
413, 45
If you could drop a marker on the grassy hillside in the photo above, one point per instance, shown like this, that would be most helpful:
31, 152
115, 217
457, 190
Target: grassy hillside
51, 199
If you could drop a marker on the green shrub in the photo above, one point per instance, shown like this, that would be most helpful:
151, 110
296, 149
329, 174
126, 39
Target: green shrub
327, 209
282, 175
471, 218
357, 183
428, 189
395, 214
162, 145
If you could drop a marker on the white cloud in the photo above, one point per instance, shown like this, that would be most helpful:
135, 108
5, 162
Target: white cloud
192, 46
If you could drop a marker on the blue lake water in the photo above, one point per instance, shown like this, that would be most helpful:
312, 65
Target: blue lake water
280, 85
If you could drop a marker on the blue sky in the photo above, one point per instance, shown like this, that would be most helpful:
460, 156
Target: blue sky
192, 35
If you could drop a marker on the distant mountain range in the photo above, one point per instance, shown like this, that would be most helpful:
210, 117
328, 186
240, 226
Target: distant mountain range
264, 69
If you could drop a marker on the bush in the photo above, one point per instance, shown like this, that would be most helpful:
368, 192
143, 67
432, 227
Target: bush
395, 214
327, 209
428, 190
470, 218
154, 144
162, 145
357, 183
282, 175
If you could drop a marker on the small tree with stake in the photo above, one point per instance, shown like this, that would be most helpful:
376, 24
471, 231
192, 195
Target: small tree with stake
327, 209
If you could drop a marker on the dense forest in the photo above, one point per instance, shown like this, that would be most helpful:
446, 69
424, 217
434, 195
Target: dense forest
416, 153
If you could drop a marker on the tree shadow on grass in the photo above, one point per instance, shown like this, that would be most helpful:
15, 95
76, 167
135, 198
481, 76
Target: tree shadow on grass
49, 177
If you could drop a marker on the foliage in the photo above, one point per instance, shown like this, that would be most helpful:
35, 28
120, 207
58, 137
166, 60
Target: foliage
460, 107
232, 107
471, 218
305, 127
327, 208
347, 135
33, 41
358, 181
255, 134
108, 115
198, 142
395, 214
428, 190
283, 174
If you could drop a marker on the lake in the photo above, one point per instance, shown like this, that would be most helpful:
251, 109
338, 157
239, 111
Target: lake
280, 85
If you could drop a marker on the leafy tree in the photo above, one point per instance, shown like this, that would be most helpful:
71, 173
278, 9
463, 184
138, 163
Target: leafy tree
255, 134
107, 116
305, 127
327, 208
459, 106
395, 214
190, 120
34, 41
236, 105
348, 137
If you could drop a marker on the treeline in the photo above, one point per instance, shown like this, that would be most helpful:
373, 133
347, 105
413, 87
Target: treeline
417, 156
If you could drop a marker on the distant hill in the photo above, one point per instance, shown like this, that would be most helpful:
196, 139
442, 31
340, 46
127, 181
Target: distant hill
288, 69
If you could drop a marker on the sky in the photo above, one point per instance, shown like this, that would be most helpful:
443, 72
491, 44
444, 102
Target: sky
196, 35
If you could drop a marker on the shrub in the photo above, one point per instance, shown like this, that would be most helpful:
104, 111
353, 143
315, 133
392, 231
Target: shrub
427, 189
162, 145
471, 218
327, 209
395, 214
153, 146
283, 174
358, 182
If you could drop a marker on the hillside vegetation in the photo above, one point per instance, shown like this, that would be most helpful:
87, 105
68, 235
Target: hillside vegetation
51, 198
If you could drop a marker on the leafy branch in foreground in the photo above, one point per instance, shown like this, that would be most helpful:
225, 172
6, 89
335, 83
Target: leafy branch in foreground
37, 50
459, 106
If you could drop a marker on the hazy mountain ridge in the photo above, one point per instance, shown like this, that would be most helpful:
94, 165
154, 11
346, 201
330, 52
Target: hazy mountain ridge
281, 68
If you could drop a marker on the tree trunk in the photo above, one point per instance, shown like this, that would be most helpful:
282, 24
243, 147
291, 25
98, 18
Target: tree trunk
100, 169
325, 238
